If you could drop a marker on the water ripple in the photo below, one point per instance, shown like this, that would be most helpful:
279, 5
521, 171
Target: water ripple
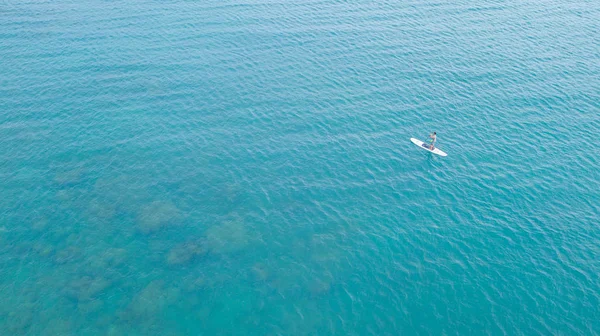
244, 167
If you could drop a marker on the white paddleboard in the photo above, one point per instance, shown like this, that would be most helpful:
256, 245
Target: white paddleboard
426, 147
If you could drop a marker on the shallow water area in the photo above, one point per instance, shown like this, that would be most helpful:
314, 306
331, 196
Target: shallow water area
245, 168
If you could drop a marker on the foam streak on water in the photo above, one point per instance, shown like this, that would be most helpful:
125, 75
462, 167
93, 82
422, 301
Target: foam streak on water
244, 167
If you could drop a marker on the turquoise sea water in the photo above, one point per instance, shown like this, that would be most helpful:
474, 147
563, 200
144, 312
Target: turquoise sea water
244, 167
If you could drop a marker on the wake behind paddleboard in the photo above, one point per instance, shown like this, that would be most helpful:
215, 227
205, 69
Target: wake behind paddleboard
426, 147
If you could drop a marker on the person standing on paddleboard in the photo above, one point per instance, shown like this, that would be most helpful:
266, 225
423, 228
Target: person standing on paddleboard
433, 138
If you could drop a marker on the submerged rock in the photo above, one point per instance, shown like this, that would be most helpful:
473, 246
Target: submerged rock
69, 177
194, 284
69, 254
157, 215
86, 288
40, 224
43, 250
260, 272
57, 326
65, 196
150, 301
115, 256
228, 237
319, 287
89, 307
186, 252
21, 249
109, 259
18, 322
101, 210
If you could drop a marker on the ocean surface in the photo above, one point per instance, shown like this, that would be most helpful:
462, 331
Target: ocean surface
243, 167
